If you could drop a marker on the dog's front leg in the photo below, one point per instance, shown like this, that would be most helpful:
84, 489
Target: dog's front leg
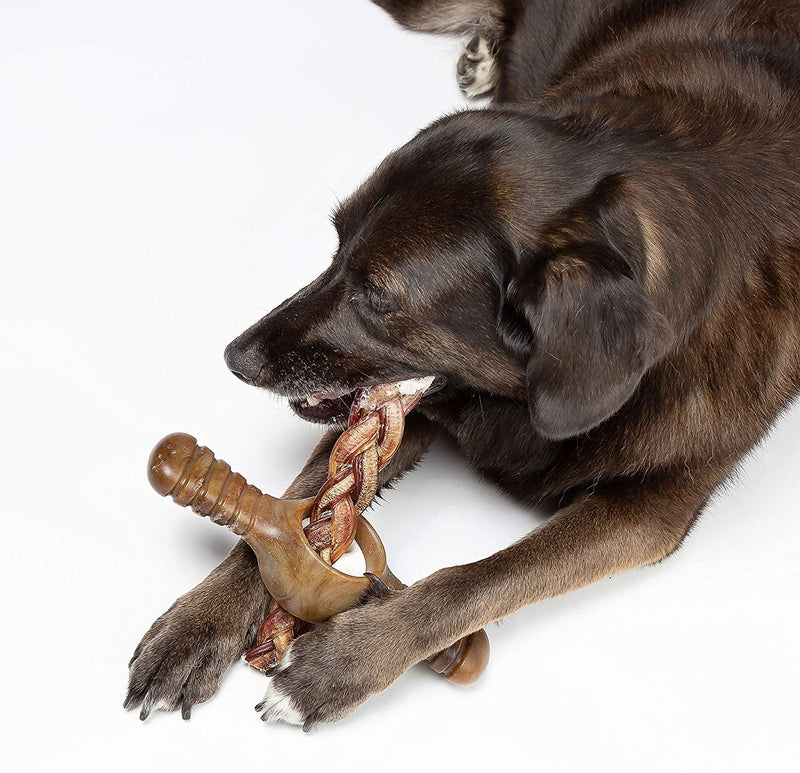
620, 526
183, 657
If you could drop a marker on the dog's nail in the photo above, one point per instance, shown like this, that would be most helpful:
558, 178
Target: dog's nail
144, 713
377, 588
312, 720
474, 45
260, 706
186, 710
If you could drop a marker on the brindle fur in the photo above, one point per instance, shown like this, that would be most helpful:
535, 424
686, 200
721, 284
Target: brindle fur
604, 265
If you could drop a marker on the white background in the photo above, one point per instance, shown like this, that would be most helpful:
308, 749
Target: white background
167, 170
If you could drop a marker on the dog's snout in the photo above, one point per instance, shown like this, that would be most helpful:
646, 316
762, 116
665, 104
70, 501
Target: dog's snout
244, 359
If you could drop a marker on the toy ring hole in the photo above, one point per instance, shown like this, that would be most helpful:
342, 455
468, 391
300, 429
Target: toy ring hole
365, 554
353, 561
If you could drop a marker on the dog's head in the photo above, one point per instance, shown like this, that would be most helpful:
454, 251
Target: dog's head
472, 255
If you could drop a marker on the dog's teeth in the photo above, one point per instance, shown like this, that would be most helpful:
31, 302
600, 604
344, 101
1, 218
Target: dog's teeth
413, 385
311, 401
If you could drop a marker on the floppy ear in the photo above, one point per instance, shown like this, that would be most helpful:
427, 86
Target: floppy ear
577, 307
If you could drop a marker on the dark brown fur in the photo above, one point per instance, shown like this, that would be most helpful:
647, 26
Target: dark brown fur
603, 269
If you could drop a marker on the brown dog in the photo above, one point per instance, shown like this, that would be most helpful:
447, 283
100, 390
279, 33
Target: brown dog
602, 270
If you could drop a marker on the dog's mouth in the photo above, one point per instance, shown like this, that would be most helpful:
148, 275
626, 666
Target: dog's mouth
334, 407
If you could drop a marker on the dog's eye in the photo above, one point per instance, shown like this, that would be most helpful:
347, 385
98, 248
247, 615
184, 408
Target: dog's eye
380, 301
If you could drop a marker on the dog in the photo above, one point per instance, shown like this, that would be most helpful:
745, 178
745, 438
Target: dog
600, 268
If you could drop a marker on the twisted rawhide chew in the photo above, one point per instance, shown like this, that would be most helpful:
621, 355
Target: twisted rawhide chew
295, 562
374, 431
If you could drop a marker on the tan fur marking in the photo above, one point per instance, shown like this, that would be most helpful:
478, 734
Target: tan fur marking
656, 258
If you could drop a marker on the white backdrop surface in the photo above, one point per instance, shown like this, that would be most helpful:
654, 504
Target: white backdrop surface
167, 173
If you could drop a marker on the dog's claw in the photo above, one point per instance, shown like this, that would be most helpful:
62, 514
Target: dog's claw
474, 45
312, 720
377, 588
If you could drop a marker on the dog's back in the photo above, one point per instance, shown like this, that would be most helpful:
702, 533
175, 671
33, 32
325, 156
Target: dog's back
686, 51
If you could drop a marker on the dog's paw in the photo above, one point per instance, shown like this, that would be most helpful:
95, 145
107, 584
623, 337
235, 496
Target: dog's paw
182, 658
476, 71
330, 671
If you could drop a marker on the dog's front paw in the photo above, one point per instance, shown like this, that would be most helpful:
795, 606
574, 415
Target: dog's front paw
182, 658
331, 670
476, 69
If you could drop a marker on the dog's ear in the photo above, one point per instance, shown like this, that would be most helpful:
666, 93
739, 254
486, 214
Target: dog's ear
576, 308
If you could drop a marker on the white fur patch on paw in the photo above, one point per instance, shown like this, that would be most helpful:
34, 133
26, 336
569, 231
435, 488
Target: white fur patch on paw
476, 68
164, 705
277, 706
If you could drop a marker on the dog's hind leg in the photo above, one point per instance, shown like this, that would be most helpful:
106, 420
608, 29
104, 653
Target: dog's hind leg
184, 655
447, 17
481, 22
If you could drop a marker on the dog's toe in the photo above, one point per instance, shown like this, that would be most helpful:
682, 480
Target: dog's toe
277, 705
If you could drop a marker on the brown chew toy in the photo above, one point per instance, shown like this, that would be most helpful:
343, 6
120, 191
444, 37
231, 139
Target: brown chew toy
295, 562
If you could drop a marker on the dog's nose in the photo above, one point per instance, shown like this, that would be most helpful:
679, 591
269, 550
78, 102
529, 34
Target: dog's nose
244, 360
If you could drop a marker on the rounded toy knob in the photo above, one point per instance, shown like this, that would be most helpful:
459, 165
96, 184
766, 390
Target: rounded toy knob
464, 661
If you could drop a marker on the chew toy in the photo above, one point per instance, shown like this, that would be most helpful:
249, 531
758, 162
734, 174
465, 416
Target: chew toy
295, 561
